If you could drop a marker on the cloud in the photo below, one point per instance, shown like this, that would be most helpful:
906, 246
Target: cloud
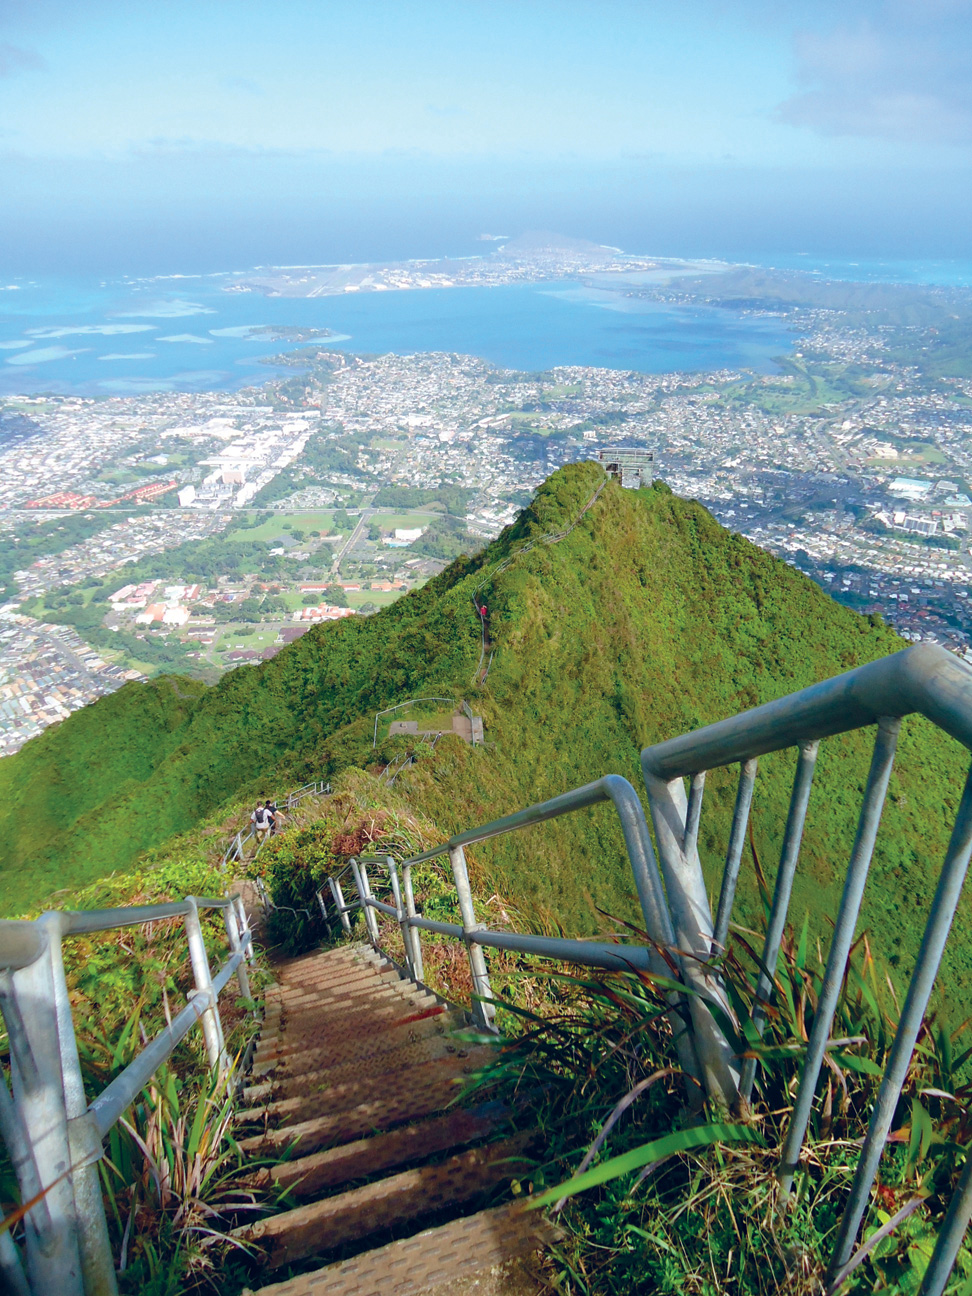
445, 110
902, 74
13, 59
241, 85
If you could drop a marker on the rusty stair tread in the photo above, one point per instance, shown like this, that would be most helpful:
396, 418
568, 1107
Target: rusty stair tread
422, 1096
349, 1094
319, 1052
357, 1068
365, 1157
359, 1213
460, 1249
407, 1052
363, 1046
317, 1049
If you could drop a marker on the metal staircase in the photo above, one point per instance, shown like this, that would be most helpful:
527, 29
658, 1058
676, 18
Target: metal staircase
357, 1064
356, 1070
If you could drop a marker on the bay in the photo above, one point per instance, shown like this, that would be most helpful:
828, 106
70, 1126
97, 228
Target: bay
103, 338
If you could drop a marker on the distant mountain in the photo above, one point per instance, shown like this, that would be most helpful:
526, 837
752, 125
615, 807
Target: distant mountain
647, 620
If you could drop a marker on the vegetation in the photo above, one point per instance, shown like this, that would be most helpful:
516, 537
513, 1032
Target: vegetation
646, 621
44, 538
455, 498
669, 1200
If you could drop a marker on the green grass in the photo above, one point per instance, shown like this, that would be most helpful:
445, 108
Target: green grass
380, 598
647, 621
272, 527
406, 520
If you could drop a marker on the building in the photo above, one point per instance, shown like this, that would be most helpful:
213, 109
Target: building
630, 465
186, 496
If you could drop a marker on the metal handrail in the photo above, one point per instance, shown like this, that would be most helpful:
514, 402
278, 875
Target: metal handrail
924, 680
52, 1133
613, 789
234, 850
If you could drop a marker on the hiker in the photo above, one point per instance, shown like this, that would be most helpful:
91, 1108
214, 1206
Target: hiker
262, 821
276, 818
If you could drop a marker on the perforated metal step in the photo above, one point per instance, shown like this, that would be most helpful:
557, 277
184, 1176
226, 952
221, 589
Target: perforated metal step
437, 1258
333, 1222
356, 1073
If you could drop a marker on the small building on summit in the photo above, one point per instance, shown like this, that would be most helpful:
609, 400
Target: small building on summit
630, 465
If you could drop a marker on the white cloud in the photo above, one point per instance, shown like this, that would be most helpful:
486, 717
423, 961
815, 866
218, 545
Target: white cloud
13, 59
903, 74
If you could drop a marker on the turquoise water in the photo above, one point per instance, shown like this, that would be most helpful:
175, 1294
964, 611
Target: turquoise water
188, 335
944, 273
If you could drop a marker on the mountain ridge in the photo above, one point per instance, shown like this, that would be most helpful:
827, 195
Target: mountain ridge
647, 620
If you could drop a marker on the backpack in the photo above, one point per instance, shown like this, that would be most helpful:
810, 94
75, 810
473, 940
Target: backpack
262, 819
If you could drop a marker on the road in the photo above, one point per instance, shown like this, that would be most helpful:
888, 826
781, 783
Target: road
366, 515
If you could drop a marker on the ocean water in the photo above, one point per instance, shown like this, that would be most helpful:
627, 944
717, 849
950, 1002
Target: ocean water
943, 273
187, 334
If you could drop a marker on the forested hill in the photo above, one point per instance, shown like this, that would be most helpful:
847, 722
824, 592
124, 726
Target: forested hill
646, 620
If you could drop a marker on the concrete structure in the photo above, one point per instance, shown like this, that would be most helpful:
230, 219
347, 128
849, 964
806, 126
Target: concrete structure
630, 465
468, 727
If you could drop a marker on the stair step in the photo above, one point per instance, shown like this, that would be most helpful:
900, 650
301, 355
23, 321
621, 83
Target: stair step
455, 1251
361, 1212
350, 1091
326, 1032
349, 1046
430, 1089
349, 985
322, 1171
296, 1016
409, 1050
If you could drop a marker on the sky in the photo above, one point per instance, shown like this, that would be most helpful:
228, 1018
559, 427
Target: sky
216, 134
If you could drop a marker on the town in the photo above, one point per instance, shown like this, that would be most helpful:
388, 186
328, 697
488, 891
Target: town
199, 532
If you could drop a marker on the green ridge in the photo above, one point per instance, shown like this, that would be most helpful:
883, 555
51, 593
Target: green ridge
647, 620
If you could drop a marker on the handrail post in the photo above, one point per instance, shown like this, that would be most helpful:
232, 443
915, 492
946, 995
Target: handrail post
28, 1001
940, 915
243, 923
789, 858
400, 914
737, 840
882, 760
97, 1261
211, 1025
360, 873
483, 1009
418, 971
338, 897
236, 946
692, 921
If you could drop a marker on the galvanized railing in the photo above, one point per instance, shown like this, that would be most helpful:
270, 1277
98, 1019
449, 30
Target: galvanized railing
923, 680
236, 850
53, 1135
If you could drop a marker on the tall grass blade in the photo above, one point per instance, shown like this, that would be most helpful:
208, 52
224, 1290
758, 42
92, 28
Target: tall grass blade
682, 1141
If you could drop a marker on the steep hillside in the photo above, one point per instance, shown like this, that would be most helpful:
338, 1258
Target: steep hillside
646, 620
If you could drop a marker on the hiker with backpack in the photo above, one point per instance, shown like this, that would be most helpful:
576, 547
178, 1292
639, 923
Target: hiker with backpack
262, 820
276, 818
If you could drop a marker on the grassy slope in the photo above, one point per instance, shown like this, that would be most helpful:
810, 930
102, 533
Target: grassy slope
649, 619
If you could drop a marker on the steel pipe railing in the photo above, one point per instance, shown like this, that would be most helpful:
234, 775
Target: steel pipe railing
923, 680
52, 1133
611, 789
